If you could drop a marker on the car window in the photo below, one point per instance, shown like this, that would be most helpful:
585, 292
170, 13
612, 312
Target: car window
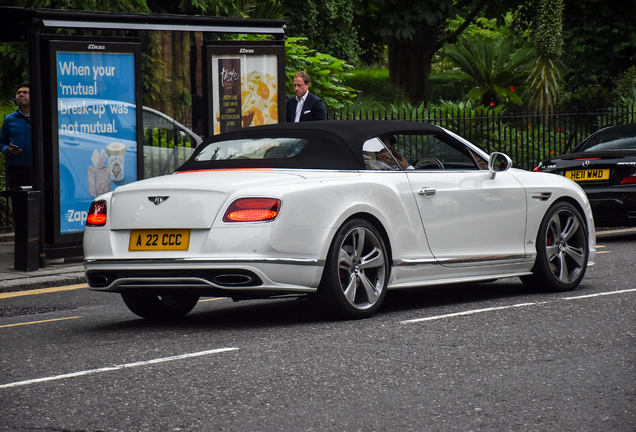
160, 130
610, 139
377, 157
261, 148
483, 163
428, 151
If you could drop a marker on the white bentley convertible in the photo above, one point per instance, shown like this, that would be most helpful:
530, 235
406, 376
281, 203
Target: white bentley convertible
332, 210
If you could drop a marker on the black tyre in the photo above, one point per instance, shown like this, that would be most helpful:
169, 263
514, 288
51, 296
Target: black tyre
562, 250
168, 306
354, 281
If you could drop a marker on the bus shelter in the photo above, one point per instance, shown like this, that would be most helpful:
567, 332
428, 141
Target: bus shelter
118, 97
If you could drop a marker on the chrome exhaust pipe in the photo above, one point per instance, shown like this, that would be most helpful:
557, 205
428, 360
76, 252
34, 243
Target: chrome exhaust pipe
234, 280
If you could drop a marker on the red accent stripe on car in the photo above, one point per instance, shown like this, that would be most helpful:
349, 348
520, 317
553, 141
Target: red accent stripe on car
226, 169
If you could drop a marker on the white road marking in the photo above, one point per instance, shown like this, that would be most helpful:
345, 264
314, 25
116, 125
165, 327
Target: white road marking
113, 368
600, 294
469, 312
476, 311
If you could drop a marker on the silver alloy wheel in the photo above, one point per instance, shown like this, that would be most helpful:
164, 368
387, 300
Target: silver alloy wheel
361, 268
566, 246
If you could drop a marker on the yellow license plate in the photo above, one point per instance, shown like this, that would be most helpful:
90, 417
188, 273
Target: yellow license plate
159, 240
587, 175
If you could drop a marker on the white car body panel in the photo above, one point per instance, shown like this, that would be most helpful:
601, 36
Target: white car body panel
466, 210
559, 188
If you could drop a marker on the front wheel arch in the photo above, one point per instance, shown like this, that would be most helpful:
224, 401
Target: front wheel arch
562, 245
378, 225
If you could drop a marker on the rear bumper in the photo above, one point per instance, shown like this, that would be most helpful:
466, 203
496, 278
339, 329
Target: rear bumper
207, 277
613, 207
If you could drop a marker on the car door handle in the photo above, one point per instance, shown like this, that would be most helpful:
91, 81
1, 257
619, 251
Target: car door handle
427, 191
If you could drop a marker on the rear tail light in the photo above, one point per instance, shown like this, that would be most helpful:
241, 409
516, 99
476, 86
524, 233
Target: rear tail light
630, 179
96, 214
252, 210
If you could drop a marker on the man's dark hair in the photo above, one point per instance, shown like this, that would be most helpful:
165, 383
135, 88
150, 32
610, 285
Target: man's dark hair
304, 75
24, 84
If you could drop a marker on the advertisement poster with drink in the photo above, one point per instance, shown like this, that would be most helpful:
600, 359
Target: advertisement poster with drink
97, 129
245, 89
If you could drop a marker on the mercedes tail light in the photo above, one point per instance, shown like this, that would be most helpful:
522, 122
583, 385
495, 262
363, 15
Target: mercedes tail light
96, 214
630, 178
252, 210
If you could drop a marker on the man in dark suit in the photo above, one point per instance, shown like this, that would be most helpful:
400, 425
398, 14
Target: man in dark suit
304, 106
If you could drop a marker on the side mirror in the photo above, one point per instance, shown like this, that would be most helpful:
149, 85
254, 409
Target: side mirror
498, 162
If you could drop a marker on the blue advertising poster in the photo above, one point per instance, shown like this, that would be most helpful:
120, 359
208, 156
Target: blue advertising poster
97, 129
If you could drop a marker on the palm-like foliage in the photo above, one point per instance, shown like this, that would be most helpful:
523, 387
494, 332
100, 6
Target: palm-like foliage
543, 85
493, 70
270, 9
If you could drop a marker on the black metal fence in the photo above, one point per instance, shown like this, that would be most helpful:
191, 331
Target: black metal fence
167, 143
165, 150
526, 138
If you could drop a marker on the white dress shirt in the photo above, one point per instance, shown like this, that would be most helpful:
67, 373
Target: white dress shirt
299, 106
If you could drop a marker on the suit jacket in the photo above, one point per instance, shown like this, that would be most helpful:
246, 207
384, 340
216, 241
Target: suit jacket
313, 109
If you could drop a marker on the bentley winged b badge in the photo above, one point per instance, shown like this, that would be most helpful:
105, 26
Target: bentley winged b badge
157, 199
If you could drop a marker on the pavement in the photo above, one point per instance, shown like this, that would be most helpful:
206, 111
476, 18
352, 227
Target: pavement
71, 271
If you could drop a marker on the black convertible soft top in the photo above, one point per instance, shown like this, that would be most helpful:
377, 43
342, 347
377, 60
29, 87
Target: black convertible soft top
332, 144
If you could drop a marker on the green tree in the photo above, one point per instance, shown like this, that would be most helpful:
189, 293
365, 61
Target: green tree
493, 70
327, 72
627, 84
544, 82
600, 41
414, 32
330, 25
263, 9
410, 32
92, 5
13, 56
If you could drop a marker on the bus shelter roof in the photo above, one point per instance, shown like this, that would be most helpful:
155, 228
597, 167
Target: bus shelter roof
15, 22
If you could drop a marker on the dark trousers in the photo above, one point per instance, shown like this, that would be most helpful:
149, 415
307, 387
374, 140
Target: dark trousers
18, 176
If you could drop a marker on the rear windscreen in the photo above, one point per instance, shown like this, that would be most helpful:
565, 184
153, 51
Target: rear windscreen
609, 140
267, 148
260, 148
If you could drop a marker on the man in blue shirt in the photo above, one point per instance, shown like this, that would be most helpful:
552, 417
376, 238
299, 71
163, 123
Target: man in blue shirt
15, 140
